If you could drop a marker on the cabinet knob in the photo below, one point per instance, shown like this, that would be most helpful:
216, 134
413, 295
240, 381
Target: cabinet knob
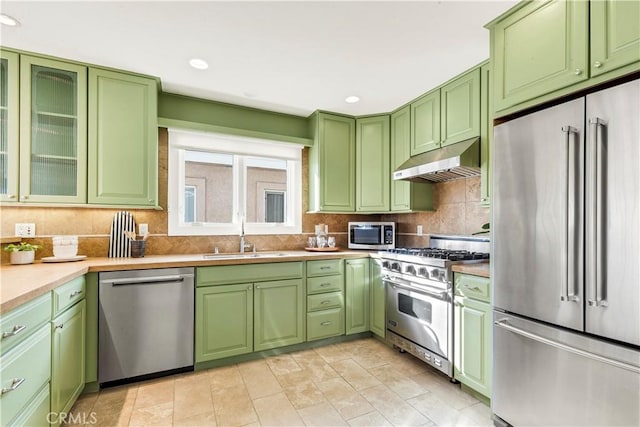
578, 71
248, 288
24, 197
150, 200
597, 64
11, 196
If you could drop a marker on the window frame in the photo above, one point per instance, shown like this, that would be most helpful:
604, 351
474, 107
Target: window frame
242, 148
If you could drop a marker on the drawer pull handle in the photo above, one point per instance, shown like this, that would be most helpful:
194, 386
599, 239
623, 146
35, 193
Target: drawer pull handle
15, 331
60, 326
473, 288
74, 293
325, 323
322, 285
17, 382
325, 302
326, 267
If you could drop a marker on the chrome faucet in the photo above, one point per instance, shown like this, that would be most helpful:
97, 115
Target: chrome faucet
243, 245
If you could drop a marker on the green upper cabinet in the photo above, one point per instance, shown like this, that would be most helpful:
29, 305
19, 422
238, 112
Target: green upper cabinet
123, 139
372, 164
332, 164
357, 290
425, 123
460, 108
615, 35
279, 314
405, 196
10, 130
53, 131
539, 47
486, 133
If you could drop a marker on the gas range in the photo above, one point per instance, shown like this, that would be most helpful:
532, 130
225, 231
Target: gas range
419, 295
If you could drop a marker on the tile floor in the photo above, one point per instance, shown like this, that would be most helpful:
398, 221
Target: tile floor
357, 383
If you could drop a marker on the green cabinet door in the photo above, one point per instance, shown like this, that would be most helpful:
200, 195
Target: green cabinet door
67, 357
405, 196
372, 164
224, 321
357, 295
425, 123
123, 139
10, 129
53, 131
615, 34
332, 164
486, 133
460, 108
538, 48
279, 314
472, 357
378, 295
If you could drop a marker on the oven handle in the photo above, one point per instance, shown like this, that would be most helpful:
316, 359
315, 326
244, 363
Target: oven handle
440, 295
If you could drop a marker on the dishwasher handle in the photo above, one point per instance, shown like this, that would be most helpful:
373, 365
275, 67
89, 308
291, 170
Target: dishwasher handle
144, 280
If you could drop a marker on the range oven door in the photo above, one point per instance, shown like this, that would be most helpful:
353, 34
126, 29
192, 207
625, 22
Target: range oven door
421, 315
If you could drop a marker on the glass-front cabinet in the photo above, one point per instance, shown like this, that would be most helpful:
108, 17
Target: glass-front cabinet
9, 126
53, 133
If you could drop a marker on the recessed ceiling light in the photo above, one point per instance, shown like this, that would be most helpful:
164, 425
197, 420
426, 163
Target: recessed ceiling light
352, 99
8, 20
199, 64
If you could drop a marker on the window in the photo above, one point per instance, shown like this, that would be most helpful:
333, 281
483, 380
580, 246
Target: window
218, 182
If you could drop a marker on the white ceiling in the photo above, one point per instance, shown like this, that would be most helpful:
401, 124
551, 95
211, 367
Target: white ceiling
291, 57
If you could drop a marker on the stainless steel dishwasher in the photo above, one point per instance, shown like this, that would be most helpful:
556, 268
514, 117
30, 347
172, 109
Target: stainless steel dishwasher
145, 323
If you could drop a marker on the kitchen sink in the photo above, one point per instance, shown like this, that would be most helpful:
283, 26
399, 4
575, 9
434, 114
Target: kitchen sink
247, 255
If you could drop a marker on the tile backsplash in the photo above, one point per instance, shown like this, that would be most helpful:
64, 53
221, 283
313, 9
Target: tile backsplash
457, 203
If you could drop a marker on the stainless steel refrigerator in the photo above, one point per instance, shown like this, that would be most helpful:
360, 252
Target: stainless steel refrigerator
566, 263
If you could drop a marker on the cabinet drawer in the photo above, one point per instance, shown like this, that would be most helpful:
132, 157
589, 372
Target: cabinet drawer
68, 294
324, 301
325, 323
473, 287
247, 273
25, 369
324, 267
35, 414
325, 284
18, 324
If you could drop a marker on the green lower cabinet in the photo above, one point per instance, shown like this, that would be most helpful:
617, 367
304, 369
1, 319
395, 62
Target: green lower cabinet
325, 324
224, 321
67, 358
279, 314
24, 370
357, 295
377, 323
37, 413
472, 335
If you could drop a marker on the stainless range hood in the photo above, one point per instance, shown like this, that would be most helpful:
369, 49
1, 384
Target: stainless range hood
455, 161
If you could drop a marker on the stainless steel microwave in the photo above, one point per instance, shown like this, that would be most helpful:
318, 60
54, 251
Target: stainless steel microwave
372, 235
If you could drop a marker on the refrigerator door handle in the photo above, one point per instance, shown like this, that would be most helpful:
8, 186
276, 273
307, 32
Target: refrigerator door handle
504, 324
568, 284
597, 246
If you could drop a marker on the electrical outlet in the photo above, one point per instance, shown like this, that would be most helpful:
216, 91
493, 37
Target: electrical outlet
419, 230
143, 229
25, 229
